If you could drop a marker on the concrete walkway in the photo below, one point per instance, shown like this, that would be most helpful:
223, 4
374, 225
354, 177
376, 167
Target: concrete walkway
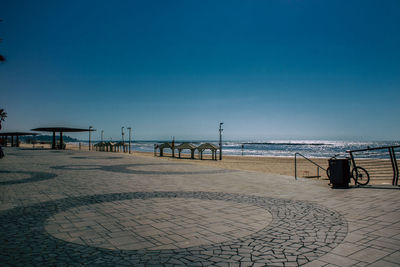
97, 208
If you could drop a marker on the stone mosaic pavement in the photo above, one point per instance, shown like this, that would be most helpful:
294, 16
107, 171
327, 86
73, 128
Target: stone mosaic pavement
97, 208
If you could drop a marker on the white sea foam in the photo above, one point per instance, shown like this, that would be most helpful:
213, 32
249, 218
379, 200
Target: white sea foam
278, 148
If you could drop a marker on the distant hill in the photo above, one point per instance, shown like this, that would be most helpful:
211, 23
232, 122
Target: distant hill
47, 138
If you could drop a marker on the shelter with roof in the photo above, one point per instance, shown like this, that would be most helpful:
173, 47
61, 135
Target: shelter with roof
164, 146
105, 146
210, 146
201, 148
100, 146
5, 135
121, 146
189, 146
62, 130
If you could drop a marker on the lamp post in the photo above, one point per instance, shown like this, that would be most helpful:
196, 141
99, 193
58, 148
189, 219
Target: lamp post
123, 142
129, 148
220, 140
90, 130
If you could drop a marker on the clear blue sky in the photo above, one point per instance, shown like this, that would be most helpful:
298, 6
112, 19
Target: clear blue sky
285, 69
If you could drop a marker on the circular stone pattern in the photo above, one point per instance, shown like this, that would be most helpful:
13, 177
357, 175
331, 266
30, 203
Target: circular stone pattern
20, 177
158, 223
299, 233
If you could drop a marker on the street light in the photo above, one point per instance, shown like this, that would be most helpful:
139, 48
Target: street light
90, 130
129, 148
220, 140
123, 143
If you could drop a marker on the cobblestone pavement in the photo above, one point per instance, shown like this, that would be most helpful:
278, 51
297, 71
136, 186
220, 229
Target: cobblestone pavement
97, 208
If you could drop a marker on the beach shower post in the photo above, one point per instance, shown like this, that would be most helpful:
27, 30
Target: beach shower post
220, 140
129, 148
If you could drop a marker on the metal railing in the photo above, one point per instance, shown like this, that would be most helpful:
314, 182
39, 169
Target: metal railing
295, 165
380, 162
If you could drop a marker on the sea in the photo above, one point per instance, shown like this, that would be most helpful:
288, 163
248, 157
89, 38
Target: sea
276, 148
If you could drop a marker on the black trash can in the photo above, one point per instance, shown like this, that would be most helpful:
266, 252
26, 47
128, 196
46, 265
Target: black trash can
339, 173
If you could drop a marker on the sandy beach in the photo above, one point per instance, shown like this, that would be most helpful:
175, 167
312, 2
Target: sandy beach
269, 165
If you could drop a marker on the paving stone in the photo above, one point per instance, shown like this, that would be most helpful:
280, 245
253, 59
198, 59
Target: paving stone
316, 263
76, 182
394, 257
369, 255
338, 260
383, 263
346, 249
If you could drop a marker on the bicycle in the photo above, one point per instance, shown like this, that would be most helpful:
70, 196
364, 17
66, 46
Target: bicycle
358, 174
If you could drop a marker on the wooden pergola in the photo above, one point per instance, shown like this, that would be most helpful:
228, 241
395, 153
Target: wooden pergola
162, 147
210, 146
62, 130
189, 146
105, 146
121, 146
5, 135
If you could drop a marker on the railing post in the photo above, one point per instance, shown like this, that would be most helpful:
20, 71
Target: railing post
397, 166
317, 172
295, 166
394, 166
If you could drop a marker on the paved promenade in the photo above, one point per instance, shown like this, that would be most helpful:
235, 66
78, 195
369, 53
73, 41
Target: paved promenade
96, 208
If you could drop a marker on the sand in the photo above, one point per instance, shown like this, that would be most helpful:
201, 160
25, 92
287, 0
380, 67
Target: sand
270, 165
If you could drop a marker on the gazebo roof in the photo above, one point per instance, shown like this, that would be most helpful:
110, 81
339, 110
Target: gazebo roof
208, 146
16, 133
120, 143
186, 146
100, 143
62, 129
165, 145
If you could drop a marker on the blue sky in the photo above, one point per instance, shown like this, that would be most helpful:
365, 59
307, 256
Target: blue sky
268, 69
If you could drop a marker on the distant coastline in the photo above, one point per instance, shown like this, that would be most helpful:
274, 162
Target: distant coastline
48, 138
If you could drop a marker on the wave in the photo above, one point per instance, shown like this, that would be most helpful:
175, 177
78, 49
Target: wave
287, 144
278, 148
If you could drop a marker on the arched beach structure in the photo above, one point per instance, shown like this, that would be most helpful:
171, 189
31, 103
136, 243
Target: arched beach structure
189, 146
104, 146
162, 147
121, 146
111, 147
100, 146
210, 146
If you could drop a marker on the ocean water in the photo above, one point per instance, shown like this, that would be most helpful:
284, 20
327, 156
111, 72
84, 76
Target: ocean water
280, 148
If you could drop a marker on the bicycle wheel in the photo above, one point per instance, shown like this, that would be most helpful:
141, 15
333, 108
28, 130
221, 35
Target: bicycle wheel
360, 176
328, 172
